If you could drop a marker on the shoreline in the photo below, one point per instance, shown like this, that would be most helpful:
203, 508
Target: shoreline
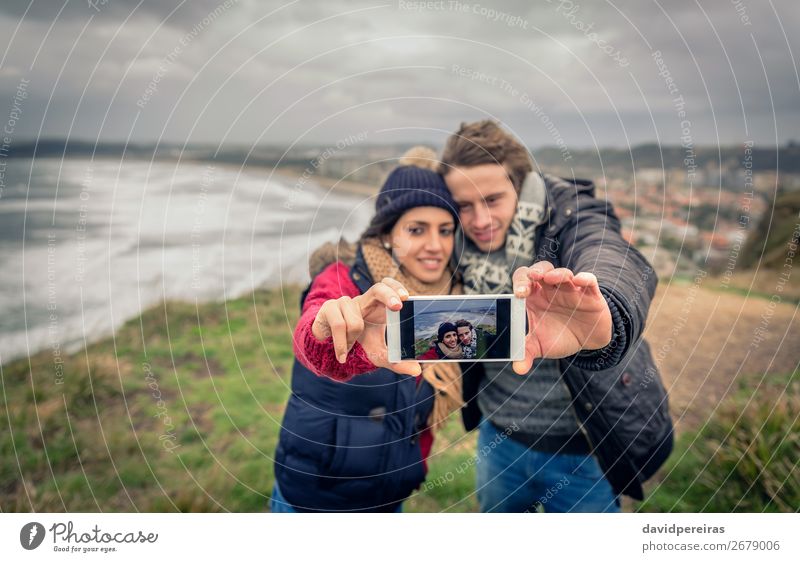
348, 187
22, 339
287, 172
292, 173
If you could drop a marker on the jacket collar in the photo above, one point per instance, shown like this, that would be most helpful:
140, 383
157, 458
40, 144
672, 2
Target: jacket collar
359, 272
562, 200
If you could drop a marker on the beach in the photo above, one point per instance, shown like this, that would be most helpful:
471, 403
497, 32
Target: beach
88, 244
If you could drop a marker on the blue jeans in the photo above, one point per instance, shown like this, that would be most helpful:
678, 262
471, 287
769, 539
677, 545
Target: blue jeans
278, 504
512, 478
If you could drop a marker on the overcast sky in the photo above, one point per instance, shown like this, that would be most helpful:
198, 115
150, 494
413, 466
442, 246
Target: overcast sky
317, 72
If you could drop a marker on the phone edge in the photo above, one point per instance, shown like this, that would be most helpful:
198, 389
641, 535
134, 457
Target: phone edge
393, 335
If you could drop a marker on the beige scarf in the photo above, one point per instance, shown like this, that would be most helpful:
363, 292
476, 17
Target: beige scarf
445, 378
450, 353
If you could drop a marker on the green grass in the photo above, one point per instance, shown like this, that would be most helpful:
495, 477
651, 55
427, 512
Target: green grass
450, 484
222, 373
763, 286
745, 458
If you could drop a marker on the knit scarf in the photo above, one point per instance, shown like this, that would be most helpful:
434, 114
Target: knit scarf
450, 353
490, 273
445, 378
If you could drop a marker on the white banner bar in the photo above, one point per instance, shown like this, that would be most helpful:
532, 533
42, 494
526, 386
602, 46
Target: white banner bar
407, 537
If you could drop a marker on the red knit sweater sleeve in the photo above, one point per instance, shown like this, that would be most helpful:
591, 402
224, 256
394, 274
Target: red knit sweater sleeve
428, 355
318, 356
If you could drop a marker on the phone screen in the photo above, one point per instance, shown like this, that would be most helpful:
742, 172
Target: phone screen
456, 329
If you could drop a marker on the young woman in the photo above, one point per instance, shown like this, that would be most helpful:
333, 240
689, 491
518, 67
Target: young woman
352, 443
446, 345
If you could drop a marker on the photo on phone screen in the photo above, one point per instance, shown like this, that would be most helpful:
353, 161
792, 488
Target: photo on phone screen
465, 328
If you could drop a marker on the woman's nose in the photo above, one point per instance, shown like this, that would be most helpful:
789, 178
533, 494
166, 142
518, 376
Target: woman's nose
434, 242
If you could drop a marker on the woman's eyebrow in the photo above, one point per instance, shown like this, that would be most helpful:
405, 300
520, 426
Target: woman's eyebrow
423, 223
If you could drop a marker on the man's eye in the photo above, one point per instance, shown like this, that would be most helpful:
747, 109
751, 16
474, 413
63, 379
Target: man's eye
464, 208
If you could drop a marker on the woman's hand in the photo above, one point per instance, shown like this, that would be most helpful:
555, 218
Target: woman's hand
362, 319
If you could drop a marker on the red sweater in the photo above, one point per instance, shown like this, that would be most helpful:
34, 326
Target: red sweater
318, 356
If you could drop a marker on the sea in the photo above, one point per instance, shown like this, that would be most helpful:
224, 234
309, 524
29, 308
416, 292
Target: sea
87, 244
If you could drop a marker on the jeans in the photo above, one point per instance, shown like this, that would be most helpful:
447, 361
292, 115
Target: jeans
512, 478
278, 504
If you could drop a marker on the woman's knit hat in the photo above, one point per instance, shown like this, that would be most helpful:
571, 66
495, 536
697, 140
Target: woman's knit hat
445, 327
414, 183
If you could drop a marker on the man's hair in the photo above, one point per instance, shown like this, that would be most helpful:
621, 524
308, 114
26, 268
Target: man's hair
486, 142
463, 324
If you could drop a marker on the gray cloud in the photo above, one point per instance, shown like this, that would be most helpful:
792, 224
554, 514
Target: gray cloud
274, 71
49, 11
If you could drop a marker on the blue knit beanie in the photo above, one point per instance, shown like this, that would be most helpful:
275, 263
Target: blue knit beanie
445, 327
411, 186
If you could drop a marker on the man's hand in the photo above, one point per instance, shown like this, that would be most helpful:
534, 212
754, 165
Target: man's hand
567, 313
362, 319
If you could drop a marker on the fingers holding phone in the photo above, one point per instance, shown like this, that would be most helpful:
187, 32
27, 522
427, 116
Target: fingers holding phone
363, 319
389, 293
342, 320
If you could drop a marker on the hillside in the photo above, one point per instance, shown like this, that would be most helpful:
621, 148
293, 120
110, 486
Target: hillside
769, 241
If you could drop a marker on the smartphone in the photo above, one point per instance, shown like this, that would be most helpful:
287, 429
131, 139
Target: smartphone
457, 328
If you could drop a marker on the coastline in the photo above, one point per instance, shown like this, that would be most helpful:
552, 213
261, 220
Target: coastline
292, 173
339, 185
196, 270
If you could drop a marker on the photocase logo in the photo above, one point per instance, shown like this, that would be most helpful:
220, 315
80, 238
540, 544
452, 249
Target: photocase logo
31, 535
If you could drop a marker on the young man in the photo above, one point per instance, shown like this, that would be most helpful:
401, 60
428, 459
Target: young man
589, 414
467, 339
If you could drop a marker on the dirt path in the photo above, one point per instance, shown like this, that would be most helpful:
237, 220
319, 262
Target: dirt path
708, 342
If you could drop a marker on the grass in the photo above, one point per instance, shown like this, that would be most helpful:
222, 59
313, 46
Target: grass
180, 411
764, 284
743, 459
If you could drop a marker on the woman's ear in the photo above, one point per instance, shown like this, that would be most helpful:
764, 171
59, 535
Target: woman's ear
386, 241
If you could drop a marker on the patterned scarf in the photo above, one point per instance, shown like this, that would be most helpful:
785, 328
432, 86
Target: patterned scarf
445, 378
490, 273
